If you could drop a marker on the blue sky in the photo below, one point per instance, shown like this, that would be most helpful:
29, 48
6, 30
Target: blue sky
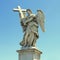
11, 31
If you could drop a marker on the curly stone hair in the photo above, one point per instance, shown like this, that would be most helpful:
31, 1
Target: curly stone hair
29, 10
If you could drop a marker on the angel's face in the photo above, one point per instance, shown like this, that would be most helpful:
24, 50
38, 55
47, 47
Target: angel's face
28, 12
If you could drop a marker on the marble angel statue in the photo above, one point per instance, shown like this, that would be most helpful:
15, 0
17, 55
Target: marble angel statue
30, 23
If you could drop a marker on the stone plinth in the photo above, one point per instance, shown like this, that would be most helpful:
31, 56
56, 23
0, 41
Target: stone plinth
29, 54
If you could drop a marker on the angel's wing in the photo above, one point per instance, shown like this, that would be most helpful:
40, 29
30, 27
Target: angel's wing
40, 19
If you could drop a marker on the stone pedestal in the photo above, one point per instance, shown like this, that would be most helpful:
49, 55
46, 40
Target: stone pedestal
29, 54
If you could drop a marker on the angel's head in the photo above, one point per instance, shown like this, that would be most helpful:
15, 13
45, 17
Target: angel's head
29, 11
39, 11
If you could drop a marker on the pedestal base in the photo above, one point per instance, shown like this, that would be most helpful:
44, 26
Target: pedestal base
29, 54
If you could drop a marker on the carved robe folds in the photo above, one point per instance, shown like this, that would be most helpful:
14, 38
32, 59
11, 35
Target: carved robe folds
31, 33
